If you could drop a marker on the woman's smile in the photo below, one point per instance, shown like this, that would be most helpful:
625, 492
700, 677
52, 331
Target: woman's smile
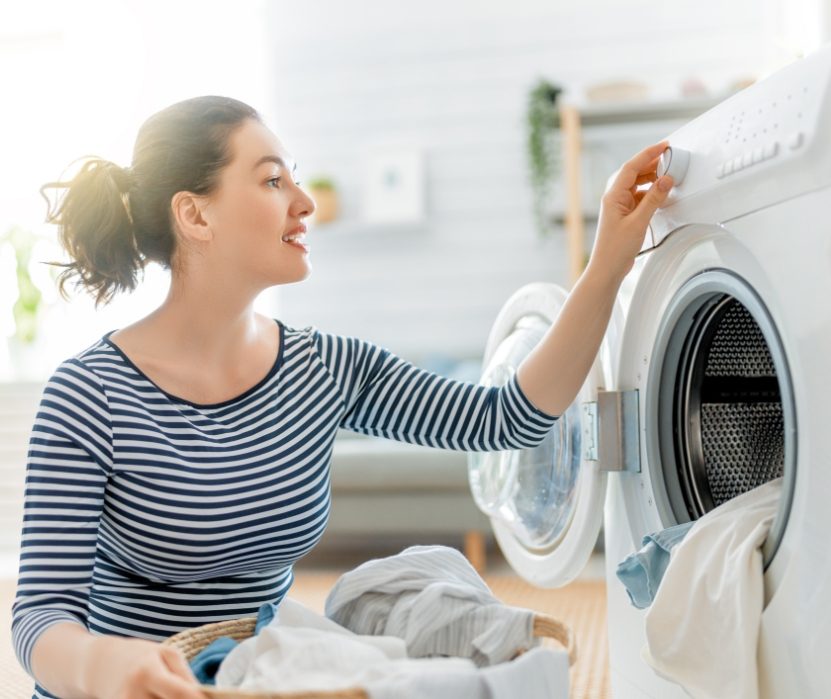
297, 238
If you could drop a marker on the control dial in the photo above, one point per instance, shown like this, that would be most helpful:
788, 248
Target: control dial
674, 162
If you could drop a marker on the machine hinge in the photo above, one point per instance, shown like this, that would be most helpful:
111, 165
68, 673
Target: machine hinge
590, 431
611, 431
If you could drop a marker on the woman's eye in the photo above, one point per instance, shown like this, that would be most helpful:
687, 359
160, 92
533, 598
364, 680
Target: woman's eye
277, 179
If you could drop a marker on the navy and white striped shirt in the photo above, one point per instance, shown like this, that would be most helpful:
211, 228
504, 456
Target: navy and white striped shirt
146, 514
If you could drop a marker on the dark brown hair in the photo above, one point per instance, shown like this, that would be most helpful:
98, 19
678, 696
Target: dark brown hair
115, 220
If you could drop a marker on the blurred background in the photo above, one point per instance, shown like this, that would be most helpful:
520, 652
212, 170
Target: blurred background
417, 117
431, 135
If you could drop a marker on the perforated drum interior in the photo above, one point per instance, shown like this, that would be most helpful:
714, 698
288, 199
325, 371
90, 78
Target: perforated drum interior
726, 422
729, 409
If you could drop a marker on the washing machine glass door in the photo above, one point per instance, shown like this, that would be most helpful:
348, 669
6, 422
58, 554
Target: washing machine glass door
545, 503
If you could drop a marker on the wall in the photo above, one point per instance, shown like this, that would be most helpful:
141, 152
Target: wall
451, 79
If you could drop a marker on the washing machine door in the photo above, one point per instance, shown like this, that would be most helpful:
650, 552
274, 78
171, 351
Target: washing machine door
545, 503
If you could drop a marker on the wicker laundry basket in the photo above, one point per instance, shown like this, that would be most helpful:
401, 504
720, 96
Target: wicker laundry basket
192, 641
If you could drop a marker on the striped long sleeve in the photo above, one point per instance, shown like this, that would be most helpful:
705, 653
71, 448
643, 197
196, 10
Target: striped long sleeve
69, 459
386, 396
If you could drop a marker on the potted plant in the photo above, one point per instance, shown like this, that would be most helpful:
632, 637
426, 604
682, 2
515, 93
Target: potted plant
543, 120
322, 189
28, 306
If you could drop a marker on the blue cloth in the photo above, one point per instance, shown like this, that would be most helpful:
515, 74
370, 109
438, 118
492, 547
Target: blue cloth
206, 663
268, 612
641, 572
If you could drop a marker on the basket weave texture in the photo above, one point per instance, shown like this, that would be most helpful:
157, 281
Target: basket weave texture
192, 641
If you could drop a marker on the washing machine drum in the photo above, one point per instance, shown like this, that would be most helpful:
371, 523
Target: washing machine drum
725, 410
727, 429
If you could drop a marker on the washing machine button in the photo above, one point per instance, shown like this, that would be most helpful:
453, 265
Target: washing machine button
795, 140
674, 162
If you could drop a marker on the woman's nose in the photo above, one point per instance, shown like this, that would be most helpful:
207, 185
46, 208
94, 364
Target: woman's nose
305, 204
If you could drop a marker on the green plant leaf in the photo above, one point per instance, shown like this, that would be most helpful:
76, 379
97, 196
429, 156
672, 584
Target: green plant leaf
27, 306
543, 122
320, 182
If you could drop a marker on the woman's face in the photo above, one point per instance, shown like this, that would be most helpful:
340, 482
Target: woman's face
257, 204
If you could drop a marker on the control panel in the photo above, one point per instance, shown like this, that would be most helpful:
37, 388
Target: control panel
765, 144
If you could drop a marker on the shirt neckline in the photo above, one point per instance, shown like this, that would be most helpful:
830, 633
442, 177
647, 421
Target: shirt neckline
274, 367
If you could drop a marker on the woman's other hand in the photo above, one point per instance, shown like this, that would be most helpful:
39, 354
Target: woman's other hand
625, 212
133, 668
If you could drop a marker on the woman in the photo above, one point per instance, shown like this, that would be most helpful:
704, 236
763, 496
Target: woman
178, 467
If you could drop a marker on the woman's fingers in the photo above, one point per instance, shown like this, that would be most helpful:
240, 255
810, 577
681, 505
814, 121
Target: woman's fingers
180, 680
638, 187
176, 663
651, 166
648, 177
171, 687
643, 163
650, 201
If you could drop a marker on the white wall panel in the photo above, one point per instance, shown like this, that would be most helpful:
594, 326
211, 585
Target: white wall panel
451, 78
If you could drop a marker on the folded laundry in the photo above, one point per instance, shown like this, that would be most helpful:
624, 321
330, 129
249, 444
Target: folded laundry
703, 626
641, 572
432, 598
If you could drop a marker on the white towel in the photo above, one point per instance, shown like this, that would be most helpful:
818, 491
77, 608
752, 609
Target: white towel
703, 627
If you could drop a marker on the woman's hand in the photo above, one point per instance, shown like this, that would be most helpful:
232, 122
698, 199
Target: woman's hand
133, 668
625, 212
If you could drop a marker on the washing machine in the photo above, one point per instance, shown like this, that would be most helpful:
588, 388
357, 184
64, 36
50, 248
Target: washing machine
712, 379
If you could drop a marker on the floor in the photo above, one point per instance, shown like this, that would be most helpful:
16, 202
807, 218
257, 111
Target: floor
582, 605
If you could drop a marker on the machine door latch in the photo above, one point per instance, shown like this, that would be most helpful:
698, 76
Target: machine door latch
611, 434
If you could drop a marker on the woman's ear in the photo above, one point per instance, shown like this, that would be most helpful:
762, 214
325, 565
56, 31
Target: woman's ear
187, 209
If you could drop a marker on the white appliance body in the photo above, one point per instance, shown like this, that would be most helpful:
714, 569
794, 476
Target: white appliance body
745, 235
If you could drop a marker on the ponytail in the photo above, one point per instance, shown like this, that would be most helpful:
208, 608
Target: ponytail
96, 229
113, 221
